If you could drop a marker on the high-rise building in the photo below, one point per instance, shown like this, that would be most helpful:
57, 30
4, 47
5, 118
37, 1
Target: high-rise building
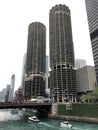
62, 74
80, 63
7, 93
23, 72
86, 79
47, 66
36, 49
35, 61
11, 94
92, 14
19, 95
47, 73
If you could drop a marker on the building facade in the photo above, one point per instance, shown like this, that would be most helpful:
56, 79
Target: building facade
23, 73
35, 61
47, 74
92, 14
3, 95
86, 79
11, 94
79, 63
7, 93
19, 95
47, 65
62, 74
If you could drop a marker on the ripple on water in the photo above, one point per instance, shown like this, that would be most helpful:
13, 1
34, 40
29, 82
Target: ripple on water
14, 122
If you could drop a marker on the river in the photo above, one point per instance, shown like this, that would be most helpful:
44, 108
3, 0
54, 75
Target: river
10, 121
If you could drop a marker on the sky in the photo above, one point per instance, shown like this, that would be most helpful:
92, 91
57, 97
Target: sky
15, 17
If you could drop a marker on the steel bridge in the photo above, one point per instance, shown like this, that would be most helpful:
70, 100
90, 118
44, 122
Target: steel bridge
13, 105
43, 108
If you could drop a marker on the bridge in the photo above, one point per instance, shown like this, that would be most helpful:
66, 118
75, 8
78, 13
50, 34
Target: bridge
13, 105
41, 107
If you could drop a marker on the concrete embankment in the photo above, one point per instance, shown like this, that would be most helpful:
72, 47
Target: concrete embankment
74, 118
75, 112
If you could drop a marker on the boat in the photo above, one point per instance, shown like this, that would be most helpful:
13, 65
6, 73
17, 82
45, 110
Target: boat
14, 111
33, 119
66, 124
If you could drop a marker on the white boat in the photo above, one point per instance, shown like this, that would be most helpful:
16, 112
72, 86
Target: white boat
66, 124
33, 119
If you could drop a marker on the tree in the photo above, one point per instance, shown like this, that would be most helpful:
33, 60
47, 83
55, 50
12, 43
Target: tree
84, 97
95, 93
90, 96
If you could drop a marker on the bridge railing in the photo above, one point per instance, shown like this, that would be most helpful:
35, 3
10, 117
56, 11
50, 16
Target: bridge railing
21, 104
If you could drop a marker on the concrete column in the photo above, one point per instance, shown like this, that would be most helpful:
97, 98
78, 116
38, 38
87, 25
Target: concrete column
58, 98
54, 108
75, 99
72, 98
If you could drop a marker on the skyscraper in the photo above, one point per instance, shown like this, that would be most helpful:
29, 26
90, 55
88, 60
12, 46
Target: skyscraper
62, 75
23, 72
92, 14
11, 94
79, 63
7, 93
86, 79
35, 61
47, 65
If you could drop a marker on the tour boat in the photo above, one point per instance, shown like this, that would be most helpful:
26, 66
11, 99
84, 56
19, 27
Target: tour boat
66, 124
33, 119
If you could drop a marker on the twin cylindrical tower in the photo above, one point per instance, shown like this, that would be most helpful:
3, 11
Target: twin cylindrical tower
62, 75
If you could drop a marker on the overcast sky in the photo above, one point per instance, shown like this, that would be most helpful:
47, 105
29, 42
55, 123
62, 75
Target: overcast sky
16, 15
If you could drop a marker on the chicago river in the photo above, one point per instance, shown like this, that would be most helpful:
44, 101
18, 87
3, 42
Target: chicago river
10, 121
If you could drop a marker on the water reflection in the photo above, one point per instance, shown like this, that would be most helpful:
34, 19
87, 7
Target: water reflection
10, 121
5, 115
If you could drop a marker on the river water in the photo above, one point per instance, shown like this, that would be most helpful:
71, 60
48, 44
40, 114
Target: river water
10, 121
